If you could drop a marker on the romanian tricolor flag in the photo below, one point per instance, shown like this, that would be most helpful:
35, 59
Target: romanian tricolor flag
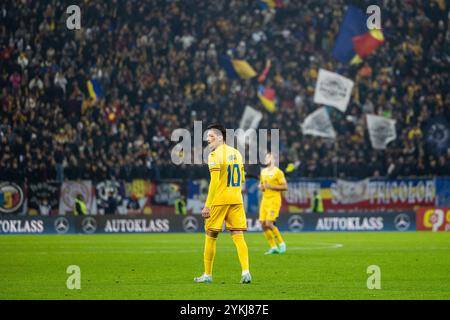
266, 4
237, 69
267, 97
94, 89
355, 41
272, 4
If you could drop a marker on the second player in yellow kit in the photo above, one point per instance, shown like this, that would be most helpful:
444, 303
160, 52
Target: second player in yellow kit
224, 202
271, 201
272, 183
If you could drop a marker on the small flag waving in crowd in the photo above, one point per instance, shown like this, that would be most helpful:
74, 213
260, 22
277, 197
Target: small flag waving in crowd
333, 90
267, 97
237, 69
381, 130
291, 167
266, 4
272, 4
94, 89
355, 40
319, 124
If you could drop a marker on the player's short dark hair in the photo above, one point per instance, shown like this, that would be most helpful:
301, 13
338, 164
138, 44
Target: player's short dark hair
220, 127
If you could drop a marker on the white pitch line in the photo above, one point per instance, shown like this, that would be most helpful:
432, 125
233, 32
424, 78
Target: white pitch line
321, 246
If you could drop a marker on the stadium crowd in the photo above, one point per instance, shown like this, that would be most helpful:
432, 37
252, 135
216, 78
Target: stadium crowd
157, 65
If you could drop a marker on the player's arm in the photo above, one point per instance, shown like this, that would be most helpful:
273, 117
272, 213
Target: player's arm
280, 187
215, 175
214, 169
281, 184
261, 184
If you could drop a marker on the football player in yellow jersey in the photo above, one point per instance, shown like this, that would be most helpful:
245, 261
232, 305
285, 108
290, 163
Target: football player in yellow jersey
272, 183
224, 202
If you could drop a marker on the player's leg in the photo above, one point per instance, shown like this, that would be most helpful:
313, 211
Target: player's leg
236, 222
269, 230
278, 238
270, 237
213, 225
208, 255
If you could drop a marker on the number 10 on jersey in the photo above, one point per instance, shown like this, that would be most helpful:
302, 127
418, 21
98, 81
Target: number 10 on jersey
233, 173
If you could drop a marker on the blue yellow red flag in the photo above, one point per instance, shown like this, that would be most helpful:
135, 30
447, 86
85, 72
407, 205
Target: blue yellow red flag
355, 40
267, 97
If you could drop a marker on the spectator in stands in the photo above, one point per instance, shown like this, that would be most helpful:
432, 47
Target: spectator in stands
80, 206
317, 203
133, 206
112, 204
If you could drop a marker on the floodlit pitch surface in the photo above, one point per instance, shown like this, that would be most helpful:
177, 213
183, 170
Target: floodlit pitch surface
414, 265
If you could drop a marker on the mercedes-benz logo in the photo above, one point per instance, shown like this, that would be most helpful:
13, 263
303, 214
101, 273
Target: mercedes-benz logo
89, 225
61, 225
296, 223
402, 222
190, 224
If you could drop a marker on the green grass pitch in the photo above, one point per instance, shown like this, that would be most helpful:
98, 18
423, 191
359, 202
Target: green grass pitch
414, 265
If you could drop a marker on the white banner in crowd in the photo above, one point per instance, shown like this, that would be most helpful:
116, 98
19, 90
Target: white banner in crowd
382, 131
319, 124
70, 190
347, 192
250, 121
333, 90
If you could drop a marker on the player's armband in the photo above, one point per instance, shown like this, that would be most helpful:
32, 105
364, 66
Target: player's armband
213, 165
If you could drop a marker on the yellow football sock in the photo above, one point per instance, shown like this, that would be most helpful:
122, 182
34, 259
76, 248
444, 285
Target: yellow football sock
277, 235
242, 250
209, 253
270, 238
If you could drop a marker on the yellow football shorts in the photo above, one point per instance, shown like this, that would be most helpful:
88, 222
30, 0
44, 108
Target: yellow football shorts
233, 215
269, 211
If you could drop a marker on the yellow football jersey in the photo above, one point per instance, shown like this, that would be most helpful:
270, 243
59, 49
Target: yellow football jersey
229, 162
274, 177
